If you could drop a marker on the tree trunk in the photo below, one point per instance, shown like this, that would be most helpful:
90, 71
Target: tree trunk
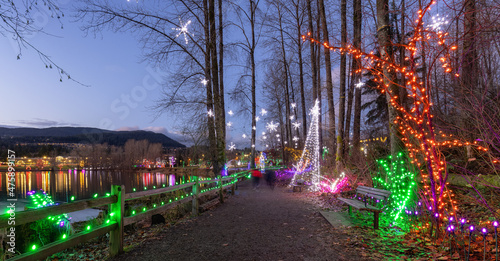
218, 102
221, 66
252, 64
384, 40
340, 130
356, 77
313, 56
320, 87
469, 65
287, 88
348, 117
301, 71
329, 85
210, 104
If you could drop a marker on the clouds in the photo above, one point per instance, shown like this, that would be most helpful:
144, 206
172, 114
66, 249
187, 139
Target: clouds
128, 128
156, 129
44, 123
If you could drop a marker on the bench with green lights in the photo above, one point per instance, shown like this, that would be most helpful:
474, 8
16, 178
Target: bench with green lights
299, 184
368, 199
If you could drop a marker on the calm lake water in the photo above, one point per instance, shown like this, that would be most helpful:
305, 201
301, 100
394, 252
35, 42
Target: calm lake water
82, 184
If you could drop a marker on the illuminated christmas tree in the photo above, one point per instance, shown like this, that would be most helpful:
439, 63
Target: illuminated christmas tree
308, 168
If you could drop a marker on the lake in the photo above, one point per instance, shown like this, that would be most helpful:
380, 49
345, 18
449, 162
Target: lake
83, 184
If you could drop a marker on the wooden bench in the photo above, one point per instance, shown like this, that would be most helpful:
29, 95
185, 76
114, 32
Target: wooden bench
368, 199
298, 185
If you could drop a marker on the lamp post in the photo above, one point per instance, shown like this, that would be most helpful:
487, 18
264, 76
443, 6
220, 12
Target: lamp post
495, 224
485, 232
471, 228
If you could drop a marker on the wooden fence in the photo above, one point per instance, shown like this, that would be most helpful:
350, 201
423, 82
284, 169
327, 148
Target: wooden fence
116, 218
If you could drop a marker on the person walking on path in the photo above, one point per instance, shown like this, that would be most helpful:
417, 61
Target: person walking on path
256, 175
270, 178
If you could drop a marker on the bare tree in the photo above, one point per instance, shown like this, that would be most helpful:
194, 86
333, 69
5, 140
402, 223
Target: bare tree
191, 48
329, 84
340, 126
18, 22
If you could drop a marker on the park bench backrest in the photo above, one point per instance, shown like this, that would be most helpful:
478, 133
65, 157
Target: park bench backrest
369, 192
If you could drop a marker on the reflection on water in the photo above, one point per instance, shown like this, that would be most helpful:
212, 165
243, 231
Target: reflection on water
82, 184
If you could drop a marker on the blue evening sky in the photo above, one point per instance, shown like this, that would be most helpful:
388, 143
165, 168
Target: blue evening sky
110, 64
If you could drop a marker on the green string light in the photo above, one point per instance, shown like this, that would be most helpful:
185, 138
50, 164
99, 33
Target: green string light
33, 247
395, 177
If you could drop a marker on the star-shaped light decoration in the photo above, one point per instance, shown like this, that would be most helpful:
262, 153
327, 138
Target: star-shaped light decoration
264, 137
183, 30
272, 126
210, 113
263, 112
294, 105
286, 142
263, 133
244, 136
277, 135
279, 140
267, 146
437, 22
292, 117
295, 138
229, 124
230, 112
257, 118
204, 81
254, 128
232, 146
359, 84
253, 145
296, 125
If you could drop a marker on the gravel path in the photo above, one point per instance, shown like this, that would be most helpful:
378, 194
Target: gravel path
261, 224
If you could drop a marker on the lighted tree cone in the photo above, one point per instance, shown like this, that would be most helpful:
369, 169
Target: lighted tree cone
308, 167
415, 125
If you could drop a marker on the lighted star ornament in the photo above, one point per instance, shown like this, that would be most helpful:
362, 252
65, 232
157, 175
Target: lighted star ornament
232, 146
359, 84
437, 22
296, 125
272, 126
263, 112
210, 113
183, 30
204, 81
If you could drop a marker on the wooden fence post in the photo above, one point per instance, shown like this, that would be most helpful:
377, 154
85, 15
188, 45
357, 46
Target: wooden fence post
196, 190
233, 188
117, 211
221, 192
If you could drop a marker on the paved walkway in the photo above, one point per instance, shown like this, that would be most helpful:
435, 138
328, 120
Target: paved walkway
253, 225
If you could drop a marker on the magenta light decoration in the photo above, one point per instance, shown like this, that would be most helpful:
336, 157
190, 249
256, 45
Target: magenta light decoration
485, 232
495, 224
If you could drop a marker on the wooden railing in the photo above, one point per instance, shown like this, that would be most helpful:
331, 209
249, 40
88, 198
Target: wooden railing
116, 219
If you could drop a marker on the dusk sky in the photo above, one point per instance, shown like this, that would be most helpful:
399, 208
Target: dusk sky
120, 88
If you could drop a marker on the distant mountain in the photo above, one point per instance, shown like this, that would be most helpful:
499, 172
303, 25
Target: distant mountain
82, 135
